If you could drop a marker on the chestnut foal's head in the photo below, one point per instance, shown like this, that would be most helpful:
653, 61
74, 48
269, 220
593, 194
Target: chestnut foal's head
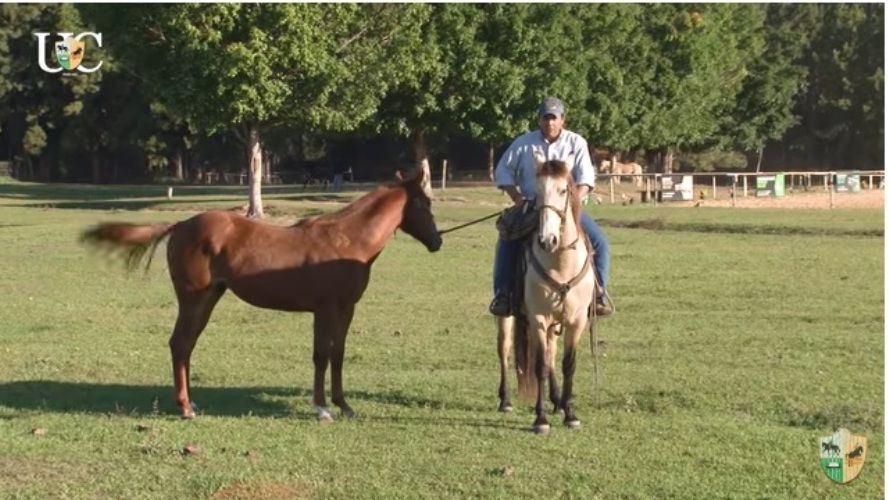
417, 219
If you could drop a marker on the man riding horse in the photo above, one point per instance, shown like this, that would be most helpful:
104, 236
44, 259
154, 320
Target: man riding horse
516, 174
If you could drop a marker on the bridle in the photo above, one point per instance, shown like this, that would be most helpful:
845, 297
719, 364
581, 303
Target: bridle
563, 216
562, 288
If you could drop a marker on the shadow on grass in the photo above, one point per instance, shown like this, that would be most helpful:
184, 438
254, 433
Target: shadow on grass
148, 196
81, 397
130, 205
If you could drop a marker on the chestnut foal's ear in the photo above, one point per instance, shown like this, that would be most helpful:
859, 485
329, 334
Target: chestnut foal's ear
539, 160
424, 178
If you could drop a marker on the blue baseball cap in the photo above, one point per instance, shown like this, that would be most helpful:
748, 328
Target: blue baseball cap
551, 106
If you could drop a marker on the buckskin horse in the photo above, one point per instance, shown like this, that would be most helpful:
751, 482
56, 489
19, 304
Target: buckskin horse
320, 265
558, 289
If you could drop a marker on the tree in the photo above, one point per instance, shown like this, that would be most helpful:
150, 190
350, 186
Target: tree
256, 65
763, 109
843, 108
482, 70
35, 107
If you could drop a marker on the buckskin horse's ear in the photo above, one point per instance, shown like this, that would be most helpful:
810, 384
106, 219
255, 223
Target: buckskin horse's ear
569, 160
424, 178
539, 159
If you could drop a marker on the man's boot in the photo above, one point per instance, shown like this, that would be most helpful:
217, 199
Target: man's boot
500, 305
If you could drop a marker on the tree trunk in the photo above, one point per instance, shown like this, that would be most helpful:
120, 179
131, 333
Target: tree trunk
759, 160
96, 176
178, 170
491, 161
254, 157
668, 161
421, 154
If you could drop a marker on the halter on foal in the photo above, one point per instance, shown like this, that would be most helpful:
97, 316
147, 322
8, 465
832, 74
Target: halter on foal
319, 265
558, 289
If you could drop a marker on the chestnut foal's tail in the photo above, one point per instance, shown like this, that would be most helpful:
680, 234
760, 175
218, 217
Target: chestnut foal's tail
133, 241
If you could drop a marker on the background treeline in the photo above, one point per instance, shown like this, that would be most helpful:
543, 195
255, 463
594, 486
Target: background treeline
288, 88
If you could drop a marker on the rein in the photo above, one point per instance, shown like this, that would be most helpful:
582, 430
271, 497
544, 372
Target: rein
461, 226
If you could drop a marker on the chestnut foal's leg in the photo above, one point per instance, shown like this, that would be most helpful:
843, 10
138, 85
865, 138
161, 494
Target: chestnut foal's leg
194, 312
323, 327
337, 353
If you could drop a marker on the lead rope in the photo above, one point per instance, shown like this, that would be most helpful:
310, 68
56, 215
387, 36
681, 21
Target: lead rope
594, 341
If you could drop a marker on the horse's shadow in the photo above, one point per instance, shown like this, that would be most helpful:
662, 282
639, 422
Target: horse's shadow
137, 400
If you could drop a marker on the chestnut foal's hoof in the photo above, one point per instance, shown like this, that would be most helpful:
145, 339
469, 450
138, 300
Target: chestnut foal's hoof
323, 415
191, 412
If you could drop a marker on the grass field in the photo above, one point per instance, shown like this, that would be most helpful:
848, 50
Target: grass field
741, 338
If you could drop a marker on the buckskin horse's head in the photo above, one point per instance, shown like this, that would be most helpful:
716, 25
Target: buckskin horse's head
417, 219
556, 201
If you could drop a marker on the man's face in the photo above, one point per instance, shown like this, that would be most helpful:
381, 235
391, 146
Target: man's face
551, 125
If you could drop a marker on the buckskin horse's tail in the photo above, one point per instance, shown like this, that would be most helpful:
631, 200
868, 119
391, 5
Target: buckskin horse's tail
524, 359
133, 241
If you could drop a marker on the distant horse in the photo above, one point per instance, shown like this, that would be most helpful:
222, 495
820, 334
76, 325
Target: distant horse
321, 265
632, 170
558, 289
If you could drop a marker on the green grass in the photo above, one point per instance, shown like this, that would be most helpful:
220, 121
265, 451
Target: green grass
733, 350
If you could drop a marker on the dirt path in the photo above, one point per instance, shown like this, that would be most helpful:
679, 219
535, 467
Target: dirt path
865, 199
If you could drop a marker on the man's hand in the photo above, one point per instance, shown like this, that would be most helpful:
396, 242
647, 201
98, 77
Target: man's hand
514, 194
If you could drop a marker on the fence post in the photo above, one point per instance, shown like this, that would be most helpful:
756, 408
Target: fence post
611, 188
830, 188
444, 172
713, 194
745, 186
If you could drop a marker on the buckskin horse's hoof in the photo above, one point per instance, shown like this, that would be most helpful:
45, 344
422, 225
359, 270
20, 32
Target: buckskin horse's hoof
541, 429
572, 424
505, 408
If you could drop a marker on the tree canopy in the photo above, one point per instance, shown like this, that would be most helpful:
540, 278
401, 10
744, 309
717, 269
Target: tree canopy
181, 81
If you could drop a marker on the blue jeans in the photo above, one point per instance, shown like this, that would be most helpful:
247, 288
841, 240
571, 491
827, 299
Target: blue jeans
507, 252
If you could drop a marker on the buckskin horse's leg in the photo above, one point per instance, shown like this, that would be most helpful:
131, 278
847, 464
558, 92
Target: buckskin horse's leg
194, 312
505, 327
539, 334
337, 352
552, 349
572, 338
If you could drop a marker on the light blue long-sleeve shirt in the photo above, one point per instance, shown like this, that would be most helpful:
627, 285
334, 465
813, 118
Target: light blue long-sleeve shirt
518, 168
